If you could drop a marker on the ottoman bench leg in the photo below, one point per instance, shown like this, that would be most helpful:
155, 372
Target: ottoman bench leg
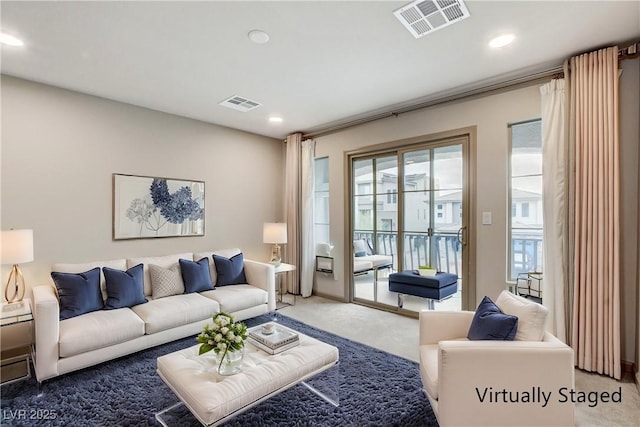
430, 302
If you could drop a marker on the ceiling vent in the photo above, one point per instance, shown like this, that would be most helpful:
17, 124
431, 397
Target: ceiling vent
240, 103
422, 17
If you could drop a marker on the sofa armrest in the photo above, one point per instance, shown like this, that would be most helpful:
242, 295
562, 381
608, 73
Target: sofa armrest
46, 314
473, 375
262, 275
436, 326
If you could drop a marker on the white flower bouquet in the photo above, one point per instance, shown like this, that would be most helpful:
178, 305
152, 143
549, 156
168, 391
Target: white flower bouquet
223, 336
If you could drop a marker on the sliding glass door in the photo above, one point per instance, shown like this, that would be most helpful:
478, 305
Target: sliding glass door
408, 205
375, 219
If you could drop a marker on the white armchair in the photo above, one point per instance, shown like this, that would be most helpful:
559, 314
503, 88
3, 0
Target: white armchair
472, 383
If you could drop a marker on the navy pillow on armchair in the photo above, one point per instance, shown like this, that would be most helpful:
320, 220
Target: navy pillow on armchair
230, 271
490, 323
78, 293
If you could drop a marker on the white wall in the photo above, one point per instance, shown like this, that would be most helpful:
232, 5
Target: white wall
60, 149
491, 115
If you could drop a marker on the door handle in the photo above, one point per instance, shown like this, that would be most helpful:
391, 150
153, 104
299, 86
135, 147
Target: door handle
461, 235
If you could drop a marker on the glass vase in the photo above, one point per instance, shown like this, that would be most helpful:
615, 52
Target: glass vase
231, 364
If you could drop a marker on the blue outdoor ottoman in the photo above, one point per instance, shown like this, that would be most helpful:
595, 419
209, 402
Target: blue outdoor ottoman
433, 288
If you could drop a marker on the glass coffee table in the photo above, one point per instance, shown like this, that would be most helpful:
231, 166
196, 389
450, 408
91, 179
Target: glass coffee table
214, 399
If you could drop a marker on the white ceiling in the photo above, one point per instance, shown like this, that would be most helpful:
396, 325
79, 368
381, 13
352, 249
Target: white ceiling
326, 61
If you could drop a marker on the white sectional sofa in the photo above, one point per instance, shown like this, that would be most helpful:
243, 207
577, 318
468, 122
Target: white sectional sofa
63, 346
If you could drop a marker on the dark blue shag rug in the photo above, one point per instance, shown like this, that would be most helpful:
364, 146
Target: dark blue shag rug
376, 389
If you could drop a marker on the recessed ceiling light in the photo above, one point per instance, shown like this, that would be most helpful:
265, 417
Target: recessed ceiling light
502, 41
259, 37
10, 40
275, 119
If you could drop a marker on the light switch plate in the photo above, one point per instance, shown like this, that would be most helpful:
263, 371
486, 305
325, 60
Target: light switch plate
486, 218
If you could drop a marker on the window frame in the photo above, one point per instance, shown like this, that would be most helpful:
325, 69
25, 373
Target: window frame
511, 206
316, 223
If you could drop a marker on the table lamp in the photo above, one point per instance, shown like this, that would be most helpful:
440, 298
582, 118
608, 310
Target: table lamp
17, 248
274, 233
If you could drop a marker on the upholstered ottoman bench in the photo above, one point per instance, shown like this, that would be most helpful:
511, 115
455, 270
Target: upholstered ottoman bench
432, 288
214, 399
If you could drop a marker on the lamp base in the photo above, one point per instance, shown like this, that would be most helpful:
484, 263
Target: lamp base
276, 259
15, 292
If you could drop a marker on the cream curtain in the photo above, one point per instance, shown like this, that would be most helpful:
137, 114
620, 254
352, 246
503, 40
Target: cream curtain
299, 179
307, 247
554, 184
292, 210
596, 305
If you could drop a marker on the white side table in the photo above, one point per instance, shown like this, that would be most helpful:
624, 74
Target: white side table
280, 270
16, 322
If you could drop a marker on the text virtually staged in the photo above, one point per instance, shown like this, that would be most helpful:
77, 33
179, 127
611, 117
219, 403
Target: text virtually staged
539, 396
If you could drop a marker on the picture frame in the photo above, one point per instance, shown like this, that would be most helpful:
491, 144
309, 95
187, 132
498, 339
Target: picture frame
147, 207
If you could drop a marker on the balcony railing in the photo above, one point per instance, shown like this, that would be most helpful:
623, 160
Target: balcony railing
447, 254
526, 251
526, 254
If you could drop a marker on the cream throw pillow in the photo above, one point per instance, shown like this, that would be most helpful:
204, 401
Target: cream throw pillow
166, 281
531, 315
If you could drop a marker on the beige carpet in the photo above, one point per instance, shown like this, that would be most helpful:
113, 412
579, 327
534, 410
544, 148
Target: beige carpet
399, 335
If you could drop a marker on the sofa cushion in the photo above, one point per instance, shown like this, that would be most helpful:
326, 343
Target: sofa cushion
98, 329
361, 265
163, 261
78, 293
119, 264
531, 315
196, 275
177, 310
124, 288
166, 281
489, 323
236, 298
229, 271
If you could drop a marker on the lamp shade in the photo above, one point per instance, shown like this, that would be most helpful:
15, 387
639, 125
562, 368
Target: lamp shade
17, 246
274, 232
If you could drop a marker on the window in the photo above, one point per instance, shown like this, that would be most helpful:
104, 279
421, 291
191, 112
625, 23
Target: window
392, 196
321, 205
525, 199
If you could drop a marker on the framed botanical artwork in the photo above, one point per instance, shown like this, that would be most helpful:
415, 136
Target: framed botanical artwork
149, 207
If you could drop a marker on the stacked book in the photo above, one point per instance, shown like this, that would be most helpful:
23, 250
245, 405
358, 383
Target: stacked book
279, 340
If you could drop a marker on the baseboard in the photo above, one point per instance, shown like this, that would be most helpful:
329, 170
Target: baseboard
628, 368
327, 296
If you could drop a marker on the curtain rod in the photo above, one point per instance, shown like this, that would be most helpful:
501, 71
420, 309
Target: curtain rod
629, 52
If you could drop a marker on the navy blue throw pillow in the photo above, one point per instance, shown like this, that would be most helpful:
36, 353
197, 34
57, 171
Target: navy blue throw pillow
196, 275
124, 288
78, 293
490, 323
230, 270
